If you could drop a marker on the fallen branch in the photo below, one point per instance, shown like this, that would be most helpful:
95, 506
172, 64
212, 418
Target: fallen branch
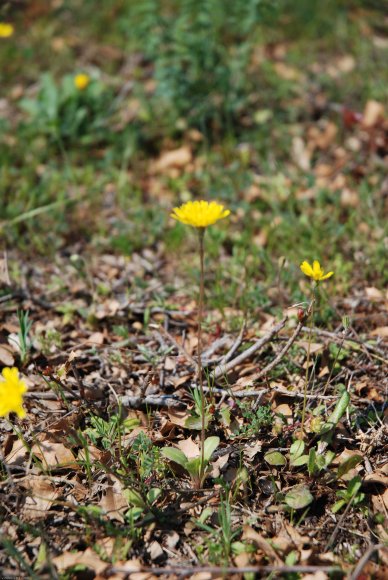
234, 346
135, 402
223, 369
348, 339
189, 571
364, 559
243, 382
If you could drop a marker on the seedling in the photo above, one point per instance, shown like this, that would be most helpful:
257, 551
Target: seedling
25, 325
194, 467
351, 494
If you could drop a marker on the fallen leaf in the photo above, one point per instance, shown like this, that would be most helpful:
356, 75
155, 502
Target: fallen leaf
89, 558
113, 502
176, 158
251, 535
189, 448
41, 493
373, 113
380, 331
6, 356
54, 455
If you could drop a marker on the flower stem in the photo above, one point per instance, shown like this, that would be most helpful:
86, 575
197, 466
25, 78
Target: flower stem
201, 232
306, 381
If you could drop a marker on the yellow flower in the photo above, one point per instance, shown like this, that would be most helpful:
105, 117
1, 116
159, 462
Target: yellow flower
199, 214
81, 81
12, 390
315, 271
6, 30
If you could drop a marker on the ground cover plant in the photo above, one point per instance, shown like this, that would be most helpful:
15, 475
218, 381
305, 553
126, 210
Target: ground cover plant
193, 303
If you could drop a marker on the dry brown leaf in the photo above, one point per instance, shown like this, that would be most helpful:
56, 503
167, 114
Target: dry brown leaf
96, 338
113, 502
377, 477
314, 346
177, 158
6, 356
261, 543
189, 448
380, 331
41, 493
89, 558
17, 454
54, 455
300, 154
373, 113
374, 294
284, 410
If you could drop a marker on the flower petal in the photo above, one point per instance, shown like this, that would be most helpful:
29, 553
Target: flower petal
318, 272
307, 269
328, 275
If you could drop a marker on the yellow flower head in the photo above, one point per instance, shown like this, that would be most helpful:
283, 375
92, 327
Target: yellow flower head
199, 214
315, 271
6, 30
12, 390
81, 81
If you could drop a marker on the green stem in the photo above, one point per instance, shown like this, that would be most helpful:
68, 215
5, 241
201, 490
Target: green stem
201, 232
306, 381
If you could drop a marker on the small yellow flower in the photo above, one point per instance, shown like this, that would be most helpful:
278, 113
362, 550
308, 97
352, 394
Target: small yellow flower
81, 81
315, 271
6, 30
12, 390
199, 214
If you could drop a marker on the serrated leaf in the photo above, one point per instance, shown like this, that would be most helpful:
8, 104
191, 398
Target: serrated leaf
211, 444
298, 497
275, 458
175, 455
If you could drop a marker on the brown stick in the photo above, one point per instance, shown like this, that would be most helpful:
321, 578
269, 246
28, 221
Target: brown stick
188, 571
223, 369
244, 382
364, 559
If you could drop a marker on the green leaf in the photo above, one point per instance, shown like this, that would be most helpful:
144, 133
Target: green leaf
195, 422
338, 505
300, 461
153, 494
354, 486
134, 498
211, 445
133, 513
225, 416
312, 460
348, 464
336, 415
194, 466
329, 458
175, 455
275, 458
299, 497
206, 513
296, 450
